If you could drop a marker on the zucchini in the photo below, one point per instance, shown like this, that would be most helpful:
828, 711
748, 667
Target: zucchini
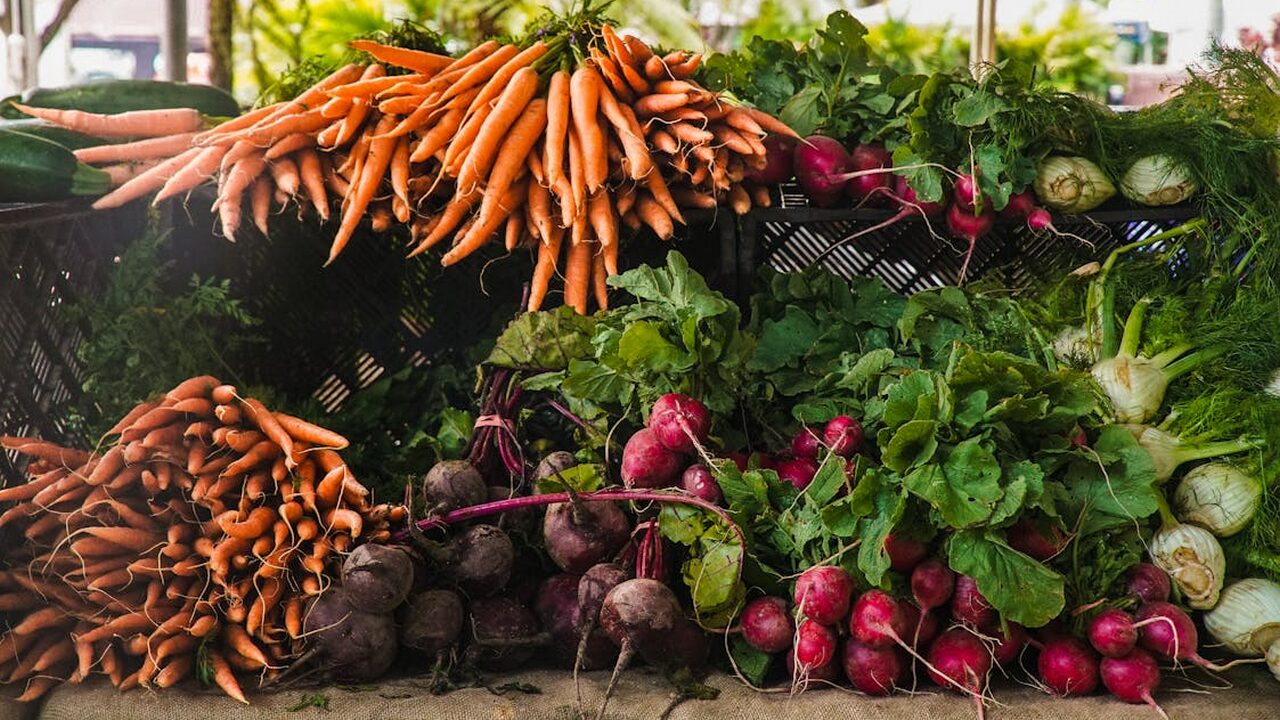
69, 139
117, 96
33, 169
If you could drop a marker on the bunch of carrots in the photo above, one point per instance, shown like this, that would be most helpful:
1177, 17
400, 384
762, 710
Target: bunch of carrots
570, 137
189, 544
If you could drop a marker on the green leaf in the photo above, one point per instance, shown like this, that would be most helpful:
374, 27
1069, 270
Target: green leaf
971, 411
1024, 484
914, 443
867, 368
803, 112
977, 109
752, 663
964, 489
642, 344
873, 560
594, 381
745, 492
784, 341
827, 481
586, 477
905, 398
1113, 484
544, 340
1021, 589
455, 430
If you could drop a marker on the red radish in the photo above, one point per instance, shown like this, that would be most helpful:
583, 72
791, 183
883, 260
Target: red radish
1009, 644
959, 661
806, 443
798, 471
820, 162
1020, 204
1167, 631
766, 624
815, 645
743, 461
924, 625
647, 463
801, 680
1133, 678
1039, 541
968, 606
1068, 667
698, 481
877, 620
1148, 583
904, 553
869, 188
969, 227
907, 197
679, 422
932, 583
1079, 438
779, 156
843, 435
1112, 633
873, 670
966, 193
823, 594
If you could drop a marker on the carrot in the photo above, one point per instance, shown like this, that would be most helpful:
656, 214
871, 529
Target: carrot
548, 252
158, 147
626, 62
688, 133
460, 145
36, 688
177, 669
242, 174
486, 224
452, 215
147, 181
599, 277
514, 231
366, 186
200, 386
239, 641
557, 126
203, 626
119, 626
303, 431
336, 107
438, 135
577, 276
654, 68
293, 617
239, 123
258, 522
51, 453
685, 70
611, 75
538, 205
135, 123
497, 84
290, 144
223, 677
38, 621
373, 81
767, 122
480, 72
271, 427
400, 105
285, 174
510, 113
653, 215
309, 169
474, 55
628, 131
343, 519
260, 202
400, 170
510, 160
657, 187
577, 180
584, 99
416, 60
124, 537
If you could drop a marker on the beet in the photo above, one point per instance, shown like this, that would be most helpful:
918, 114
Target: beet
698, 481
594, 585
968, 606
679, 422
647, 463
797, 471
873, 670
1068, 667
377, 578
767, 625
1148, 583
577, 537
554, 463
502, 630
823, 594
349, 644
523, 521
843, 435
779, 167
806, 443
483, 558
432, 621
685, 646
819, 163
453, 484
904, 553
560, 613
640, 613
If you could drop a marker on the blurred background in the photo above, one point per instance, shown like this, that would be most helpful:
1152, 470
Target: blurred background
1123, 51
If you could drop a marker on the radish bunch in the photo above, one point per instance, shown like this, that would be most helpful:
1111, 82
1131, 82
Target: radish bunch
656, 455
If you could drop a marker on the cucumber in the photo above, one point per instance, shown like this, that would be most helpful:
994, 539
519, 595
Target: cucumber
69, 139
33, 169
117, 96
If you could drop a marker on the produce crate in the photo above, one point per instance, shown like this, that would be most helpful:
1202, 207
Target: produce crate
791, 236
51, 255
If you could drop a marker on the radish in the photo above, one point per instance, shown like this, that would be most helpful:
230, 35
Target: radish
698, 481
647, 463
744, 461
925, 624
779, 165
1020, 204
907, 197
932, 584
1133, 678
869, 188
766, 624
877, 620
815, 645
908, 202
823, 594
1068, 667
904, 553
1027, 537
801, 677
873, 670
679, 422
1167, 631
798, 471
820, 162
843, 435
958, 660
1009, 644
806, 443
966, 193
968, 606
1112, 633
578, 535
1148, 583
969, 227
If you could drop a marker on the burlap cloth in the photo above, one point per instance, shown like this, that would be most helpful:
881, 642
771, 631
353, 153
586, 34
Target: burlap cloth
641, 695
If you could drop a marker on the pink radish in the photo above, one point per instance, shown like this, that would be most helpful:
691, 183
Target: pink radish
1027, 537
873, 670
969, 227
904, 552
907, 197
1148, 583
815, 645
1009, 644
966, 193
779, 165
968, 606
1020, 204
869, 188
1112, 633
820, 163
806, 443
823, 594
743, 461
925, 625
1133, 678
1068, 667
798, 471
1167, 631
877, 620
647, 463
679, 422
698, 481
932, 584
843, 435
766, 624
802, 676
959, 661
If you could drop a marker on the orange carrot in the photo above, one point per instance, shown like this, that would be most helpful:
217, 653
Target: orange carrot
474, 55
437, 136
611, 76
460, 145
303, 431
374, 80
289, 144
366, 186
480, 72
158, 147
655, 69
285, 174
497, 84
610, 254
336, 107
657, 187
508, 115
452, 215
258, 522
577, 276
628, 131
514, 231
147, 181
487, 224
584, 99
260, 203
548, 252
686, 69
538, 205
653, 215
416, 60
557, 126
577, 180
509, 163
768, 122
223, 677
400, 170
603, 222
313, 180
135, 123
263, 452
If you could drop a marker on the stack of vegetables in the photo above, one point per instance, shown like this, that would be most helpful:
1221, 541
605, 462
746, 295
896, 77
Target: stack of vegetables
568, 135
189, 542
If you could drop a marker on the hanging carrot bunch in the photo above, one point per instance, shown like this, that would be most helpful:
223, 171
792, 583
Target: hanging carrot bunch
188, 544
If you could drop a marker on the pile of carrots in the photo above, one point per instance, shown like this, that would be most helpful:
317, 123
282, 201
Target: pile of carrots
534, 145
188, 544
